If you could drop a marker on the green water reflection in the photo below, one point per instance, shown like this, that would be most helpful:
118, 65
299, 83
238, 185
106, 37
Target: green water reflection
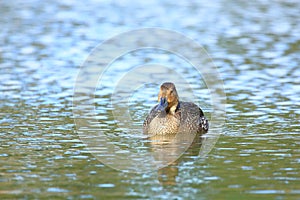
256, 48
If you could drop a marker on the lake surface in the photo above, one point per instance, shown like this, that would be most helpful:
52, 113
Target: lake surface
43, 155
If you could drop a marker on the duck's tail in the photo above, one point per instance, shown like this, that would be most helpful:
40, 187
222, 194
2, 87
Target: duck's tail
204, 123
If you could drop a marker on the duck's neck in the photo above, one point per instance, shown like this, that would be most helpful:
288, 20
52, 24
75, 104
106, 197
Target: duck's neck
172, 110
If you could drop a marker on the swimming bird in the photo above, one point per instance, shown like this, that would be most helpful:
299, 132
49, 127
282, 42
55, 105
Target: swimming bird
172, 116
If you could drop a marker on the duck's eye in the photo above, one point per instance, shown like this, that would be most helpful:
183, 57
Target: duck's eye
171, 92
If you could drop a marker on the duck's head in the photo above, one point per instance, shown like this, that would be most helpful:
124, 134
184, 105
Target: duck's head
168, 98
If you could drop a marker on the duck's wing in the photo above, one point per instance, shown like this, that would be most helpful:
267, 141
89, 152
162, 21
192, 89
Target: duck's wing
193, 117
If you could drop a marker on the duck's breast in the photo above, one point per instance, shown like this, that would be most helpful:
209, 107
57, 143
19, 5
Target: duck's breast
161, 123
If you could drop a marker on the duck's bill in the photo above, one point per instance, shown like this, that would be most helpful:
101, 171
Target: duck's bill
163, 104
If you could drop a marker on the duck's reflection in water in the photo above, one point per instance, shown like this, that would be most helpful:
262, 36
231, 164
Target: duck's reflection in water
171, 150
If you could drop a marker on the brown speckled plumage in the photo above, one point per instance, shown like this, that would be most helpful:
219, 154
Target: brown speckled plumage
171, 116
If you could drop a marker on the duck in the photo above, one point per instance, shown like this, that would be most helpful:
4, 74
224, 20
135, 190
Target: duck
171, 116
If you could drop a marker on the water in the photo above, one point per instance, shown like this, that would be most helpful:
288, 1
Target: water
255, 46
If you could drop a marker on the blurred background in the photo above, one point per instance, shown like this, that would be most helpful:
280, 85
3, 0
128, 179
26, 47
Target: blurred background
254, 44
